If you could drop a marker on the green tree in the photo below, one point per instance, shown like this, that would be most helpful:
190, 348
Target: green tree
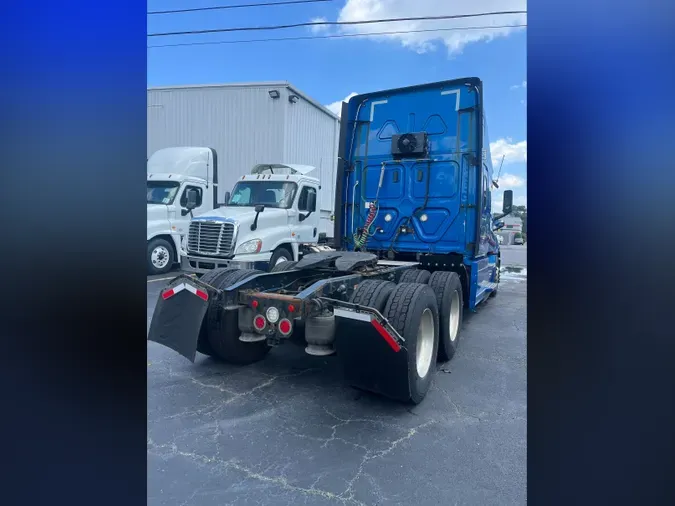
521, 212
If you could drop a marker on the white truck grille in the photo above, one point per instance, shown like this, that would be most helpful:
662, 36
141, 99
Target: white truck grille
210, 238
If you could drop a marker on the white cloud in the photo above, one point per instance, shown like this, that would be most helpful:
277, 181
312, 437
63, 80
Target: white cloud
521, 85
319, 28
454, 41
336, 107
510, 181
512, 152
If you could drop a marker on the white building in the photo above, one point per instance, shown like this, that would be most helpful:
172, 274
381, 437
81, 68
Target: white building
512, 226
248, 124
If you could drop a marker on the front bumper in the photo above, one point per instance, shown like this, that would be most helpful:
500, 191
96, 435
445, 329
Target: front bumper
201, 265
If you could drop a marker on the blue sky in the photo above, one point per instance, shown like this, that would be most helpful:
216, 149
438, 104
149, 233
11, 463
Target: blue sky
329, 70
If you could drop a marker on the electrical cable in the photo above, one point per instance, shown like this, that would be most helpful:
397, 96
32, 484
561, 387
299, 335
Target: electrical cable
339, 36
238, 6
337, 23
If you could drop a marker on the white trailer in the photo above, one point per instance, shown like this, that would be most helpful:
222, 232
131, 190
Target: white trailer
247, 125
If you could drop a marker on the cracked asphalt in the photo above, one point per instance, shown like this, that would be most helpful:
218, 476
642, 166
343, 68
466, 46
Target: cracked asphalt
288, 430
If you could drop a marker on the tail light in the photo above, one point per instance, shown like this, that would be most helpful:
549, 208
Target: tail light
285, 327
259, 323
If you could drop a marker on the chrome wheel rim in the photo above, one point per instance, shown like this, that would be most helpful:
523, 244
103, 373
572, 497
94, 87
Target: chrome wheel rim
425, 343
453, 322
159, 257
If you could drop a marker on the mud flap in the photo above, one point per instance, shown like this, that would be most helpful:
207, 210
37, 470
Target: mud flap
371, 358
178, 315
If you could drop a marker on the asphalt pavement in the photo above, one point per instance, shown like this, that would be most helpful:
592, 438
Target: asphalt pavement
287, 430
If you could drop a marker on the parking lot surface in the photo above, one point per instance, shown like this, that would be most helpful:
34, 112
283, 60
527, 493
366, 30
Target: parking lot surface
288, 430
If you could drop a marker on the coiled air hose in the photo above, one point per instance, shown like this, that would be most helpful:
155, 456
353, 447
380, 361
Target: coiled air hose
361, 239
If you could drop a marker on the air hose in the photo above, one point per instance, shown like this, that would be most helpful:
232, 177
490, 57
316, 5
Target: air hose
361, 239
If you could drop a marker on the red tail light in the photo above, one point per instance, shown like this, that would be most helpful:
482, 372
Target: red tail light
291, 308
259, 323
285, 327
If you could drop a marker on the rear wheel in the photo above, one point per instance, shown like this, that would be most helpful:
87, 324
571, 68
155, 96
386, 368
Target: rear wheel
415, 276
223, 328
211, 278
449, 297
373, 293
413, 311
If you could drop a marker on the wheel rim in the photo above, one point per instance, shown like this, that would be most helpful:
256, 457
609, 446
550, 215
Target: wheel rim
159, 257
425, 343
454, 316
281, 260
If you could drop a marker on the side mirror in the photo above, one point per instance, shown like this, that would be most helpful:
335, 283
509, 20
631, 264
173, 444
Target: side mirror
228, 195
258, 209
311, 202
192, 197
508, 202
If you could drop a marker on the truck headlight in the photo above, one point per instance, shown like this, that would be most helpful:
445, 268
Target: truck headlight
249, 247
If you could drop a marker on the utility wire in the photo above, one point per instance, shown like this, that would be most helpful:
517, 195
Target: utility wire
238, 6
340, 36
335, 23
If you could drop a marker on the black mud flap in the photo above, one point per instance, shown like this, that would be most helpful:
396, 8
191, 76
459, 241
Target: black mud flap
178, 315
373, 360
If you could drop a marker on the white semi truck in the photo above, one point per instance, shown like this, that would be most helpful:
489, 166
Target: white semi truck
246, 124
271, 215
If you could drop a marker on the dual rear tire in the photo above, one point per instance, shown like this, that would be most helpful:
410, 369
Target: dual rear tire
426, 310
219, 335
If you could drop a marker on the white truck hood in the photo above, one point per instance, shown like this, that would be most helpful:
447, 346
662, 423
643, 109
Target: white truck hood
157, 212
242, 214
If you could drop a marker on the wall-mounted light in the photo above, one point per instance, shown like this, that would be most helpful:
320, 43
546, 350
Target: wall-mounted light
292, 99
274, 93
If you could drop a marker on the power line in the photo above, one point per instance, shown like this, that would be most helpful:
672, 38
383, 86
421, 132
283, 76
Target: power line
340, 36
238, 6
336, 23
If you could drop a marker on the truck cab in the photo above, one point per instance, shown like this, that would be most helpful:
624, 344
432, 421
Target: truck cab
172, 174
266, 219
415, 181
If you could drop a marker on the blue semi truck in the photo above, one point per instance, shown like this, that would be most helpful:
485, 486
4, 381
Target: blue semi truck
414, 246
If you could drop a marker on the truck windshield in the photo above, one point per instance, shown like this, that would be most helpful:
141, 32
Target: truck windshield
162, 192
270, 193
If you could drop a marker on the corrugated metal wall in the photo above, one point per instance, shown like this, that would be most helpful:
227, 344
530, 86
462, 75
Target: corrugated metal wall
245, 127
243, 124
311, 135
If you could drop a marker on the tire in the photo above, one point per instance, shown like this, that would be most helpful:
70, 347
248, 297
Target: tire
373, 293
161, 256
450, 299
212, 278
413, 311
497, 276
283, 266
223, 328
280, 255
415, 276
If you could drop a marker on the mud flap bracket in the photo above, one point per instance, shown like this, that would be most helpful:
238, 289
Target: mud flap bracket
179, 313
373, 354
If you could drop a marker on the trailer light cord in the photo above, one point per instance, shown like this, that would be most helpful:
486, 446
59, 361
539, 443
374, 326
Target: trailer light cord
374, 210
